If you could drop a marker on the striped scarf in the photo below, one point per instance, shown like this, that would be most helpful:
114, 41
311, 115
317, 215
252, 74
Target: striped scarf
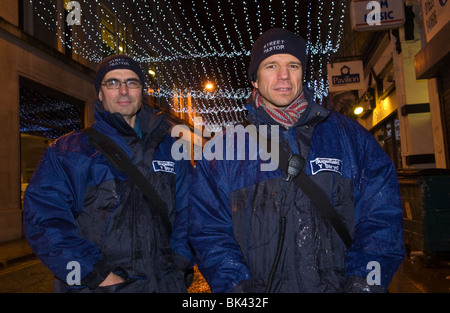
287, 116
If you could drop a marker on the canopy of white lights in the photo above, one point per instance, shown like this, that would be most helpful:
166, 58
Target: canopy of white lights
190, 42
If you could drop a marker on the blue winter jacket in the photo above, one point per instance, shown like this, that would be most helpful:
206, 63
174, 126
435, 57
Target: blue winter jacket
78, 207
236, 209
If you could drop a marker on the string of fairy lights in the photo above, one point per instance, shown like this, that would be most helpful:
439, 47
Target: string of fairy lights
182, 44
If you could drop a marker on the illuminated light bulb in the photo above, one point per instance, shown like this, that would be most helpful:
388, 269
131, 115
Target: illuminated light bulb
209, 86
358, 110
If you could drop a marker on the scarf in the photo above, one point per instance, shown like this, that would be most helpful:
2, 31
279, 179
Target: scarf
287, 116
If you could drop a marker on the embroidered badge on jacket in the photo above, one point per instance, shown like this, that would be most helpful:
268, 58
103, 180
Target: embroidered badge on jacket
164, 166
326, 164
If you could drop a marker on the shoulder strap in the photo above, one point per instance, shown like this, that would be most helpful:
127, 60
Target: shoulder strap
122, 162
319, 199
314, 193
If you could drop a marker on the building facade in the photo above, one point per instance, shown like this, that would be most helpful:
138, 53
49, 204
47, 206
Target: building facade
404, 95
432, 63
32, 68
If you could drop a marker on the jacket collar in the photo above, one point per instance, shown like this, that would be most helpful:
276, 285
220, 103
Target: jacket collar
151, 122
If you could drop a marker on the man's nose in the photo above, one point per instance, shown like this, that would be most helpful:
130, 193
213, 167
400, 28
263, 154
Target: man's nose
283, 73
123, 89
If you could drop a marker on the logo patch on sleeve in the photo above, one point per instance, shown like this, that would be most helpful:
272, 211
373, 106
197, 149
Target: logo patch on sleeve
326, 164
164, 166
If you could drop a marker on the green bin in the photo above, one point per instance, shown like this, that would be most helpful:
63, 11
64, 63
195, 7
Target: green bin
425, 197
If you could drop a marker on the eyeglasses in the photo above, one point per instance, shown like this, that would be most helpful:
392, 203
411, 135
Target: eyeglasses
116, 84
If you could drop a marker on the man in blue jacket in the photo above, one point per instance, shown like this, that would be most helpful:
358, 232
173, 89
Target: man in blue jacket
88, 222
253, 230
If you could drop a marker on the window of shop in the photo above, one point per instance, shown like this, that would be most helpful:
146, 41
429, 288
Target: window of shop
39, 21
388, 135
45, 114
114, 34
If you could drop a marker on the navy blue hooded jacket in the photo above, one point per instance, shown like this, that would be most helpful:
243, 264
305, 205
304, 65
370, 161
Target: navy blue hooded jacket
78, 207
236, 208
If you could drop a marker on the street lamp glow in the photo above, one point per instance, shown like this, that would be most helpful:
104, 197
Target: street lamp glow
209, 86
358, 110
151, 72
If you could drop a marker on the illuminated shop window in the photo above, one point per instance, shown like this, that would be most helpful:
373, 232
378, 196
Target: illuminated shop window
46, 113
388, 136
114, 34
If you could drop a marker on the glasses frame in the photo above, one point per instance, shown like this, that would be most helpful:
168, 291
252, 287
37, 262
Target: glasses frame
126, 82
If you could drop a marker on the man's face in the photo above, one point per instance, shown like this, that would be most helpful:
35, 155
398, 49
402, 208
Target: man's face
124, 100
279, 80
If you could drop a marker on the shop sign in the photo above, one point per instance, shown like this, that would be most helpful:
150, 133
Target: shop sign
376, 15
345, 76
436, 13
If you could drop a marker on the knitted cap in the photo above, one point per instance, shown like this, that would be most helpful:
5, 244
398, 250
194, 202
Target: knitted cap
116, 62
276, 41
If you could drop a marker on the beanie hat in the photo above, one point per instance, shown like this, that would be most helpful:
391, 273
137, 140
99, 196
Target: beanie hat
276, 41
116, 62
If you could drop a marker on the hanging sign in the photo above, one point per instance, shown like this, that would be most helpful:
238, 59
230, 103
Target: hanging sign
345, 76
376, 15
436, 13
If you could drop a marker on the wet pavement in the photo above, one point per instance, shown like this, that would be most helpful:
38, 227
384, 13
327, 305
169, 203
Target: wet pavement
418, 273
421, 273
14, 251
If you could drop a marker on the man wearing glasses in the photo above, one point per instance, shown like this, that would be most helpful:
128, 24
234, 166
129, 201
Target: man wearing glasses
88, 222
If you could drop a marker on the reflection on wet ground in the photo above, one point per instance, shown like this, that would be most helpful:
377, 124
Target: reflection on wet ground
422, 274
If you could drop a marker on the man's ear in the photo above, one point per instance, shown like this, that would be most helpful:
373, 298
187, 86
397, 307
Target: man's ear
255, 84
100, 96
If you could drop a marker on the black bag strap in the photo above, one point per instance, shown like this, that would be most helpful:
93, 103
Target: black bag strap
122, 162
317, 196
319, 199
